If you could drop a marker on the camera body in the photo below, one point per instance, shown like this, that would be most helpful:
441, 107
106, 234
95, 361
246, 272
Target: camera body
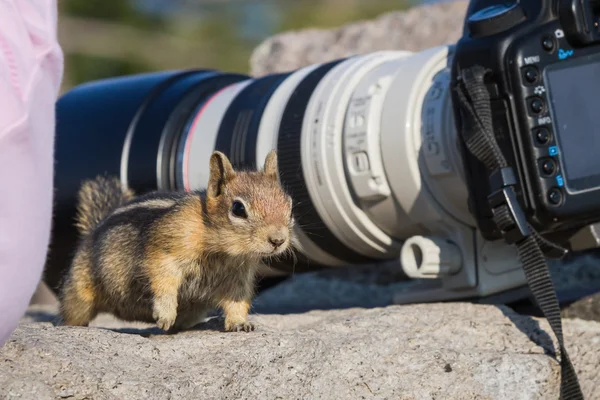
543, 69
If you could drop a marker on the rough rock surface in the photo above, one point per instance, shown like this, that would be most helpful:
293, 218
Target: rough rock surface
363, 347
462, 351
415, 29
587, 308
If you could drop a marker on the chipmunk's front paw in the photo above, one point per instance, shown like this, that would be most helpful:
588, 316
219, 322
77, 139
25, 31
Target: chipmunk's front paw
164, 319
242, 326
165, 323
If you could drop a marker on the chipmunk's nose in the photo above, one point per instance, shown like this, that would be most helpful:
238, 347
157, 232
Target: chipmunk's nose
277, 239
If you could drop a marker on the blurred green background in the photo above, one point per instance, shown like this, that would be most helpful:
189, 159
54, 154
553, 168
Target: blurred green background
103, 38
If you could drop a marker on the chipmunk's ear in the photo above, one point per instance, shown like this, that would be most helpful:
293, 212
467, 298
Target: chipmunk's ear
271, 165
221, 172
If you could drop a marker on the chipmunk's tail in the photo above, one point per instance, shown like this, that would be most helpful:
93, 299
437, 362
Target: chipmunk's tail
96, 199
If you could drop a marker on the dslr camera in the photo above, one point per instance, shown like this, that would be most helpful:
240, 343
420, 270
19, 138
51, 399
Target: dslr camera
443, 160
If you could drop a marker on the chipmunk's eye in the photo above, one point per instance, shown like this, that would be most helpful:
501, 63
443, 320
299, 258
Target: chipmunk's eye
238, 209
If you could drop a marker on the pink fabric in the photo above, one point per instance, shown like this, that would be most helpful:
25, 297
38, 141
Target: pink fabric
31, 69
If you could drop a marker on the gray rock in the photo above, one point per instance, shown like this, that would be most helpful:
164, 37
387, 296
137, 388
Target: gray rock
587, 308
363, 347
415, 29
462, 351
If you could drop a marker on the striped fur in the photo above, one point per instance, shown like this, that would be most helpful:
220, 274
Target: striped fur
169, 257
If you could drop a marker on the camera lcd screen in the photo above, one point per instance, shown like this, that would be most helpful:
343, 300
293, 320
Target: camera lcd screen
574, 91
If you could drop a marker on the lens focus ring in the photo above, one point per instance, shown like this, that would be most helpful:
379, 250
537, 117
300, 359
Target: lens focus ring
292, 175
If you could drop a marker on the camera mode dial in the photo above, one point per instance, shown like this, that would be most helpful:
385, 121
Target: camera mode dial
495, 19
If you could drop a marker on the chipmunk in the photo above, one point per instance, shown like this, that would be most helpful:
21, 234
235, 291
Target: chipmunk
170, 257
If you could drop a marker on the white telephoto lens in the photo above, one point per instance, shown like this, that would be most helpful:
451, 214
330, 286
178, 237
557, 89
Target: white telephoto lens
367, 148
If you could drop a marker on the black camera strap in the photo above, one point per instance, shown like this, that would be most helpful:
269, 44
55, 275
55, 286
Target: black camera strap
478, 135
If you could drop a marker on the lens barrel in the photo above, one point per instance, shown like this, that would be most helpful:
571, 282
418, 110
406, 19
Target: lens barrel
348, 135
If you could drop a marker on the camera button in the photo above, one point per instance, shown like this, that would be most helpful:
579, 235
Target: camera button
555, 196
537, 105
531, 74
548, 43
548, 167
542, 135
